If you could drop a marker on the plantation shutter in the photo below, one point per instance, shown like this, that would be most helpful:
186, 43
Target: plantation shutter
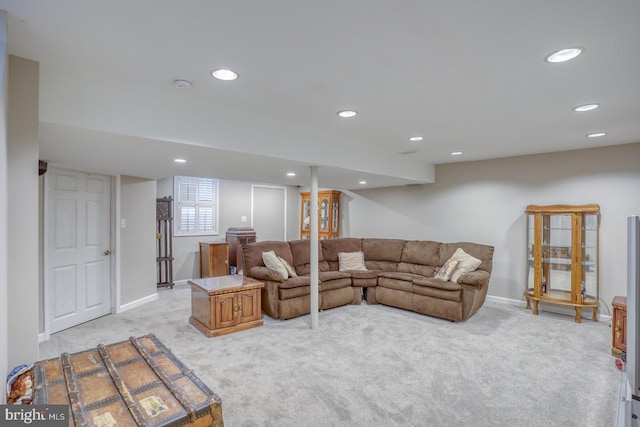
196, 205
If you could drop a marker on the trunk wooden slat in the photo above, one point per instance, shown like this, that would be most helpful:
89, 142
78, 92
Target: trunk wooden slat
131, 383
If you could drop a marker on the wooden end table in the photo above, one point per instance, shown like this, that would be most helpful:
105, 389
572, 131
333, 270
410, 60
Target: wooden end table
225, 304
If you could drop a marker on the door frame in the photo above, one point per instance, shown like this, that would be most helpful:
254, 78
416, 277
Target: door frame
114, 236
284, 207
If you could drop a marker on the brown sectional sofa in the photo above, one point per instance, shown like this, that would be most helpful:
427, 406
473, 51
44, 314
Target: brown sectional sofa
400, 273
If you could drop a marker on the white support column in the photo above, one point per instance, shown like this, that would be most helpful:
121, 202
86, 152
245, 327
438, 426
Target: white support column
313, 244
4, 210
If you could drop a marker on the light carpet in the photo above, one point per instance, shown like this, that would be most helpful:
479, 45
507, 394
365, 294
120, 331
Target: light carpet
372, 365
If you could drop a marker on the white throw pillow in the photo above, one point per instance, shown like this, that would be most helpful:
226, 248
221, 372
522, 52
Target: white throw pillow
289, 267
447, 270
272, 262
466, 264
350, 261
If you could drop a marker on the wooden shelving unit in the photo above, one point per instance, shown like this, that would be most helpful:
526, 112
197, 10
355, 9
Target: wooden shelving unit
328, 215
562, 255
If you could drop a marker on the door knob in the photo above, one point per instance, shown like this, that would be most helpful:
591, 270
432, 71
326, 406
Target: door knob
107, 252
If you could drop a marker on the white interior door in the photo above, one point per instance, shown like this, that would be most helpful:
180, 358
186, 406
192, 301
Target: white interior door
268, 207
78, 274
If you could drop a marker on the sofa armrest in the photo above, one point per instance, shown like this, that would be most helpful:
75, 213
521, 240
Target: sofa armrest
476, 278
263, 273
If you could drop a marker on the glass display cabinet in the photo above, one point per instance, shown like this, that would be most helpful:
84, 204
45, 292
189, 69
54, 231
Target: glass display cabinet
328, 215
562, 256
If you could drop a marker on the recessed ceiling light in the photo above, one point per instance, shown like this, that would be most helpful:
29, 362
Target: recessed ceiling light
362, 182
564, 54
223, 74
596, 134
347, 113
416, 138
180, 160
585, 107
182, 83
456, 153
291, 174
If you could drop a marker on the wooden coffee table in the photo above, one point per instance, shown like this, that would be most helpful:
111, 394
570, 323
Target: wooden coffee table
224, 304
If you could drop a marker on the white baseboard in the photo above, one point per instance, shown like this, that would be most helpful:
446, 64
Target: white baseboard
128, 306
507, 301
137, 303
184, 282
548, 307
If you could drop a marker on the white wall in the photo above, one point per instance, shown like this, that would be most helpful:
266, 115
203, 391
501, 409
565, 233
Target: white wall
483, 202
22, 173
4, 312
137, 239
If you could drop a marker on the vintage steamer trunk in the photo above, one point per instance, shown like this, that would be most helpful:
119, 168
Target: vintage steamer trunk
132, 383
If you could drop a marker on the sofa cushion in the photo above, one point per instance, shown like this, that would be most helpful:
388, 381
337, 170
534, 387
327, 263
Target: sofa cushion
288, 293
301, 257
396, 280
272, 262
381, 265
325, 276
252, 253
261, 272
476, 250
331, 248
330, 280
365, 278
383, 249
423, 252
329, 285
437, 284
445, 292
408, 277
397, 284
351, 261
422, 270
295, 282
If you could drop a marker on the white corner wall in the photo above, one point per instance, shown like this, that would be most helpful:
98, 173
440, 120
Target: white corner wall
4, 312
483, 202
137, 241
22, 212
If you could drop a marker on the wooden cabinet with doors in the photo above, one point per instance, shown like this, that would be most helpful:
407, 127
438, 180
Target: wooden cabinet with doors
562, 257
236, 308
225, 304
328, 215
619, 326
214, 259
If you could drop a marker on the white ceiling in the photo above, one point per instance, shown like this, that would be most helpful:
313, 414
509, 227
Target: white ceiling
466, 75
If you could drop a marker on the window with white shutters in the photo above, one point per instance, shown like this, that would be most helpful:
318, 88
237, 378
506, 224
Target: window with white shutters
196, 206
